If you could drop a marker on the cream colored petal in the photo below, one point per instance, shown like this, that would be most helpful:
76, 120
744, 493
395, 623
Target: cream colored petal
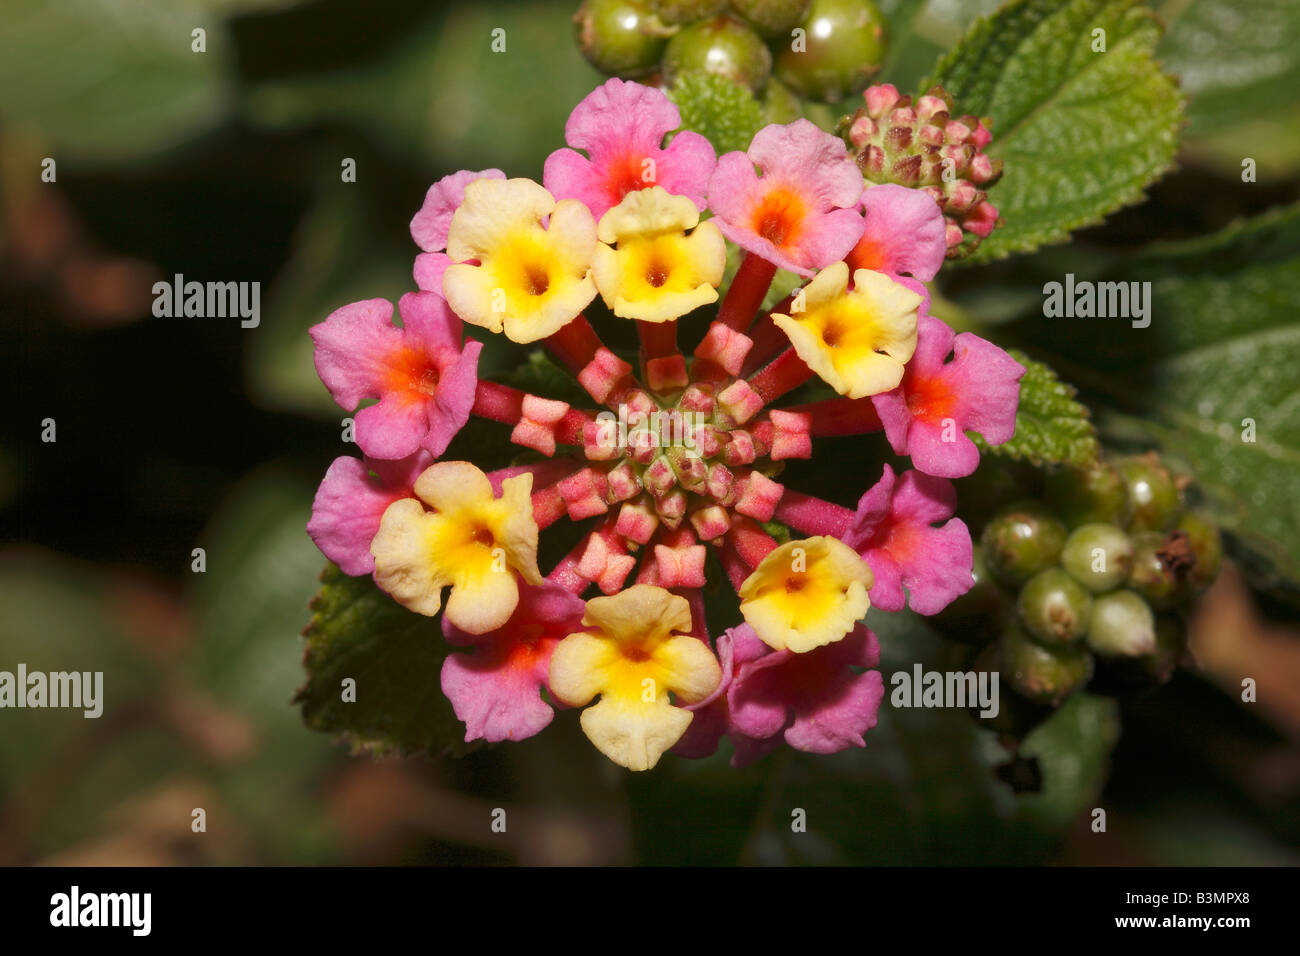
641, 611
710, 250
483, 603
826, 285
687, 667
402, 565
645, 211
492, 210
666, 306
518, 531
769, 619
634, 734
452, 485
572, 234
579, 665
475, 295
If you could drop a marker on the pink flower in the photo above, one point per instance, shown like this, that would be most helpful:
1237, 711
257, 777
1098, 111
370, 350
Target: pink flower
351, 501
814, 700
893, 531
430, 225
621, 126
801, 214
496, 689
423, 377
904, 233
928, 414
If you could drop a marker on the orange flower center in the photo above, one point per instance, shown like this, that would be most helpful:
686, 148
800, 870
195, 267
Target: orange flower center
779, 217
627, 174
412, 372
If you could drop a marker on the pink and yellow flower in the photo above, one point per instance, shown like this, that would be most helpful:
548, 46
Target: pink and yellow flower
894, 532
649, 267
806, 593
801, 213
473, 542
430, 225
816, 702
857, 340
637, 652
531, 279
352, 500
937, 402
622, 125
496, 687
422, 375
904, 233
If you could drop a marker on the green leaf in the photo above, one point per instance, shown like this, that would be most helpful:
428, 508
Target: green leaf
1081, 133
724, 113
1222, 347
394, 655
1051, 427
1236, 59
111, 81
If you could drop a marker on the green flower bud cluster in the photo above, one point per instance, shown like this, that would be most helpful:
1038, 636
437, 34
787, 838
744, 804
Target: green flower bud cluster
824, 50
1091, 585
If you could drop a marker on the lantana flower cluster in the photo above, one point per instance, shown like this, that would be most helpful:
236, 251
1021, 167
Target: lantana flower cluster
679, 451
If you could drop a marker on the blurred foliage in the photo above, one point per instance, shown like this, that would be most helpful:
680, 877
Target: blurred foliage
1222, 343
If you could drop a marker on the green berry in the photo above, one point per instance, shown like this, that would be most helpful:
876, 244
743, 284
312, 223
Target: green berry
1098, 556
1152, 495
688, 11
1053, 607
772, 18
1122, 625
1153, 576
1021, 541
1043, 674
1206, 546
1088, 495
621, 37
723, 46
839, 50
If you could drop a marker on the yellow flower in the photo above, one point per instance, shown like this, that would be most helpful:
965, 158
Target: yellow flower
473, 542
806, 593
531, 281
633, 657
857, 341
658, 272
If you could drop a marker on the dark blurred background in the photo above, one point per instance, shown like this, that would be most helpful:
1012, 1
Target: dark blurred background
177, 433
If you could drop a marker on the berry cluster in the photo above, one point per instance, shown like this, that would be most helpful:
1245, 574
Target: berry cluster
1091, 585
823, 50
